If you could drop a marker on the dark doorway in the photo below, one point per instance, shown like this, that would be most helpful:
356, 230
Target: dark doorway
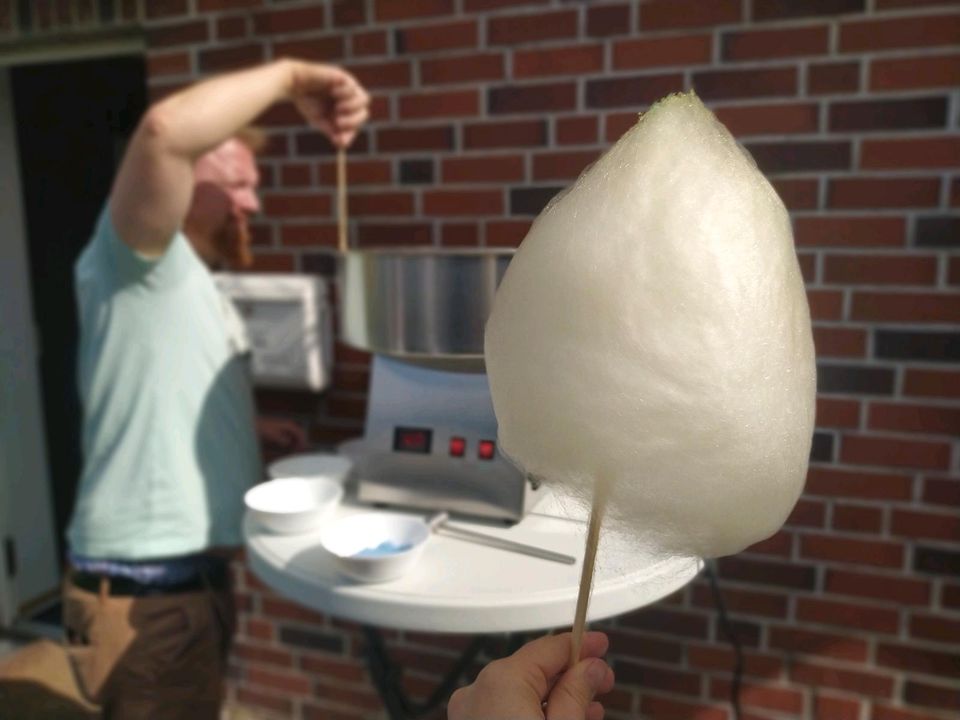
73, 120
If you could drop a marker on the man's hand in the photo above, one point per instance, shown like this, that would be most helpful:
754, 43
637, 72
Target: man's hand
532, 684
331, 100
280, 436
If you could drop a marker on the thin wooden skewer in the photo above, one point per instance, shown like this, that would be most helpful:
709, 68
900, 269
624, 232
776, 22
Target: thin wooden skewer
342, 200
586, 576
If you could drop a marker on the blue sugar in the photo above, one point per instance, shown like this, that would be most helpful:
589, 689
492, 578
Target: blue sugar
387, 547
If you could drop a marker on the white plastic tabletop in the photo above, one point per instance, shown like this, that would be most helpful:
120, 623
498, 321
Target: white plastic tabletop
462, 587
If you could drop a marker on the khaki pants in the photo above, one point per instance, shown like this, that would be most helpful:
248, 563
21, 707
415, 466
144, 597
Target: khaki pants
157, 657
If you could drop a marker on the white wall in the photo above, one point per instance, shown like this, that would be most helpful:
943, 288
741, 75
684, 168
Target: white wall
26, 510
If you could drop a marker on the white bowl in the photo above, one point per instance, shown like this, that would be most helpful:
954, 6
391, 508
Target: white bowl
293, 505
375, 547
308, 465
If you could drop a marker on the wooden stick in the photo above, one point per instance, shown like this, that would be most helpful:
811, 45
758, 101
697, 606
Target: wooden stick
586, 576
342, 200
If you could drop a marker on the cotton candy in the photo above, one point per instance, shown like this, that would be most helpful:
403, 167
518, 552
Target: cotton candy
652, 335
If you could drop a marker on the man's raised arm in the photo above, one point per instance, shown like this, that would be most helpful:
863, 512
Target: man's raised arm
151, 193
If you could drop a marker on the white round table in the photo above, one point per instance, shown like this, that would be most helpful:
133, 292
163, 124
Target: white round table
462, 587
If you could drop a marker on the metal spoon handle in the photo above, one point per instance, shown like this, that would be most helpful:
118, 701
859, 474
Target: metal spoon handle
438, 524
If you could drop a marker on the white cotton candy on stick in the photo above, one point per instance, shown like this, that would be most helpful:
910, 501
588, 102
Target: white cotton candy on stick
649, 348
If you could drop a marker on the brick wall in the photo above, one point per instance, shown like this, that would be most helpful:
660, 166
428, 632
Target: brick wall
483, 109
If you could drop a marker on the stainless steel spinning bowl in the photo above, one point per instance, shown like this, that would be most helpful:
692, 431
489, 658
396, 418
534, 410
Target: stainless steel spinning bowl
419, 302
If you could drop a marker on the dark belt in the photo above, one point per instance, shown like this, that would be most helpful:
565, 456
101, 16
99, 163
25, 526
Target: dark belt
214, 579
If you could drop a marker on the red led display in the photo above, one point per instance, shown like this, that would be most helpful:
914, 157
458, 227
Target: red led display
458, 446
486, 449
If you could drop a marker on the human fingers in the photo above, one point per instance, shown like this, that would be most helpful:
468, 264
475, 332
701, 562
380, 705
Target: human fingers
595, 711
572, 696
539, 662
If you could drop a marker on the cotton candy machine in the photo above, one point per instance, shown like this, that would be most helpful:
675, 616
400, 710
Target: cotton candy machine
430, 438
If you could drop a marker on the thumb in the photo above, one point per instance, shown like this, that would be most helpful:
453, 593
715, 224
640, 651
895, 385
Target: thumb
574, 691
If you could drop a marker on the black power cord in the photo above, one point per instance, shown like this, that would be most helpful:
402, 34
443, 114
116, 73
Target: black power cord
731, 636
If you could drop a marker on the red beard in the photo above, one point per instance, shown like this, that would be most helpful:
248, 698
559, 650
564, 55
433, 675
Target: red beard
232, 242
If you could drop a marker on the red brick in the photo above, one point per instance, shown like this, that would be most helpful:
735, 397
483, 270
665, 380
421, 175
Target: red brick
762, 572
459, 235
466, 202
187, 33
485, 168
393, 234
932, 419
348, 12
886, 270
606, 20
875, 115
286, 20
905, 307
569, 60
506, 233
935, 628
521, 133
891, 589
631, 92
839, 342
517, 29
265, 700
846, 615
808, 267
825, 304
881, 712
416, 138
797, 194
818, 643
365, 698
672, 14
780, 699
911, 4
830, 548
296, 175
884, 192
575, 130
369, 43
857, 518
166, 8
941, 491
532, 98
910, 73
216, 5
277, 608
835, 708
779, 544
936, 696
917, 524
714, 658
458, 103
266, 655
299, 205
383, 75
390, 10
462, 69
561, 165
347, 669
950, 596
765, 82
916, 660
747, 602
381, 203
359, 172
898, 154
864, 683
894, 452
807, 513
312, 235
835, 412
171, 63
788, 9
902, 32
833, 78
776, 119
230, 58
321, 49
779, 43
258, 629
931, 383
481, 5
666, 680
445, 36
662, 51
661, 707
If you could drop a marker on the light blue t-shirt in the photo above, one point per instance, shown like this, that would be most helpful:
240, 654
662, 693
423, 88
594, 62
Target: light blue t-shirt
169, 444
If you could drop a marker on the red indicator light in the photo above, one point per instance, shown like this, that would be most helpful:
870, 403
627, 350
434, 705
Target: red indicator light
458, 446
486, 449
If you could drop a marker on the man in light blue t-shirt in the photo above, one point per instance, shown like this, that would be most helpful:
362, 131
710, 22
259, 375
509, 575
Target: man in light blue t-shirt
169, 436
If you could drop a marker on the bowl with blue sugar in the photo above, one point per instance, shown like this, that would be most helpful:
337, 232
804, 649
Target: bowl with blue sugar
376, 546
